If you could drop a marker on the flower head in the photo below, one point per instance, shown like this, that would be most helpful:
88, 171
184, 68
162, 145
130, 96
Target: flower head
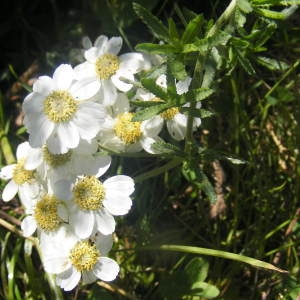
76, 259
58, 113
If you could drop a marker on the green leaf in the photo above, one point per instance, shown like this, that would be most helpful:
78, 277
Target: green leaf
272, 64
149, 112
205, 290
141, 103
244, 6
173, 33
265, 34
205, 113
206, 186
202, 93
197, 269
152, 22
156, 48
192, 29
219, 253
276, 15
209, 73
245, 63
166, 148
177, 68
150, 85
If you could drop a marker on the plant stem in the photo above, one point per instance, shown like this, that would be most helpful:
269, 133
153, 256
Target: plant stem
223, 18
168, 166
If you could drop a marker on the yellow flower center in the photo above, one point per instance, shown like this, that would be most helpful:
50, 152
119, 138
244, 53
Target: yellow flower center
84, 256
89, 193
129, 132
20, 175
60, 106
170, 113
45, 213
56, 160
107, 65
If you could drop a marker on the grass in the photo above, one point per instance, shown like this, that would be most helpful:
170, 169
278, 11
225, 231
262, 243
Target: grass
257, 211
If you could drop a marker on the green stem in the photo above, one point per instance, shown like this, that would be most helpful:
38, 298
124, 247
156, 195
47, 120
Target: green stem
168, 166
6, 149
223, 18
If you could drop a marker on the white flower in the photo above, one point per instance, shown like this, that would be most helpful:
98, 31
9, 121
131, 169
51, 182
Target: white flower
94, 203
72, 259
20, 179
176, 122
81, 160
55, 113
104, 67
45, 214
121, 134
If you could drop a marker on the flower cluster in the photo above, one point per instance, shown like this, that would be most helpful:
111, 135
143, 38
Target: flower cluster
70, 117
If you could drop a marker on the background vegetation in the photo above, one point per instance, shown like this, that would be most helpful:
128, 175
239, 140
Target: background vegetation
255, 118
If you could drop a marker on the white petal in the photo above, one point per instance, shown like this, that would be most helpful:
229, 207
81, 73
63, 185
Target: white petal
85, 70
100, 41
181, 119
153, 126
63, 76
133, 148
120, 183
182, 86
39, 128
44, 85
88, 277
7, 172
91, 55
85, 88
28, 226
82, 222
33, 103
63, 212
104, 243
68, 134
117, 204
55, 264
121, 85
109, 93
113, 46
71, 281
147, 143
105, 222
86, 42
63, 189
132, 62
34, 159
22, 150
106, 269
122, 104
9, 191
101, 164
162, 81
176, 130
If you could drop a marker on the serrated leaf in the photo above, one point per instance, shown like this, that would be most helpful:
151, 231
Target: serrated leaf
152, 22
141, 103
265, 34
150, 85
244, 6
177, 68
272, 64
209, 73
166, 148
192, 29
197, 269
245, 63
149, 112
202, 93
156, 48
276, 15
205, 113
239, 18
